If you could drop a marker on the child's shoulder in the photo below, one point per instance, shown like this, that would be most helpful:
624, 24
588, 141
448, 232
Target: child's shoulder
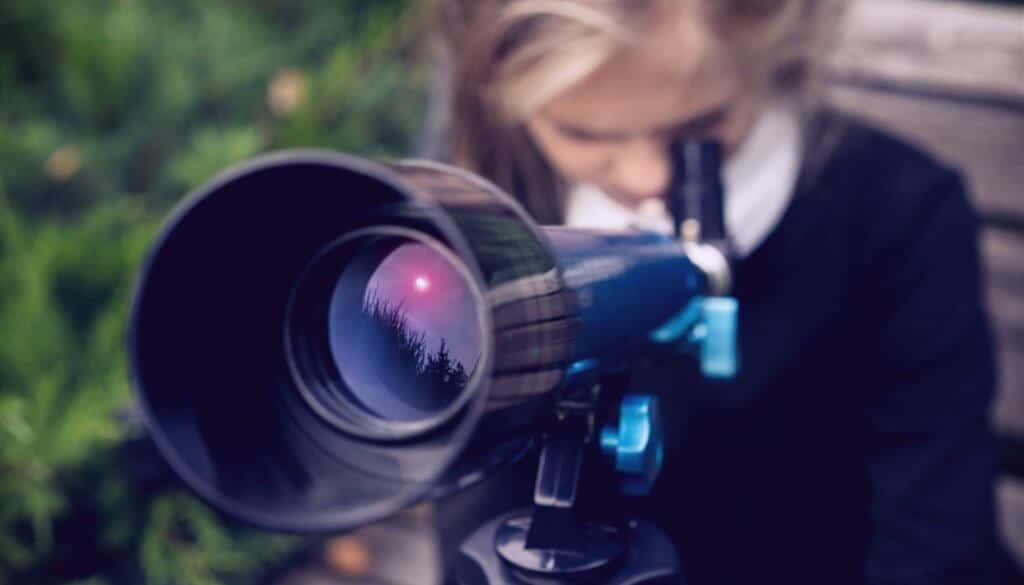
863, 154
889, 182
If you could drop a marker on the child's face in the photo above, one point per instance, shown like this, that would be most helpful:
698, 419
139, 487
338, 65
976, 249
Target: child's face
613, 128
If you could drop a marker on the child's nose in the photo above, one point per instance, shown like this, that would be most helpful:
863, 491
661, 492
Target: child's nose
641, 170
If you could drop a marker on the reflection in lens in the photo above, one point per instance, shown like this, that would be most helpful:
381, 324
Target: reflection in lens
403, 330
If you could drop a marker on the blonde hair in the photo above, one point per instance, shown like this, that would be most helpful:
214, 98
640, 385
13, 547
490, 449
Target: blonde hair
505, 58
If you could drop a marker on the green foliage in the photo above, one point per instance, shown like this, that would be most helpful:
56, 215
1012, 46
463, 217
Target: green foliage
150, 96
184, 543
61, 374
110, 110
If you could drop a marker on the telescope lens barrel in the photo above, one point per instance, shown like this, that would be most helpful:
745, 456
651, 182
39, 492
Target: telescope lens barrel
385, 332
317, 340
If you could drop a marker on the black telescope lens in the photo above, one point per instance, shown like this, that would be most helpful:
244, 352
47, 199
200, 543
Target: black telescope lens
389, 333
408, 350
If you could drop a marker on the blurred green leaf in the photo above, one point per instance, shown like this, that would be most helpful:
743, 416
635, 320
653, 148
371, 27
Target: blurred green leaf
211, 150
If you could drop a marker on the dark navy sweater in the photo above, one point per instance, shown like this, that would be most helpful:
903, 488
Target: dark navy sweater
854, 446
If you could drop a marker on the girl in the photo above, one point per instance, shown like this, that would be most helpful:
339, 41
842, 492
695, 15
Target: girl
854, 446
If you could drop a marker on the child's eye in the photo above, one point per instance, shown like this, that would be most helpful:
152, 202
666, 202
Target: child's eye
581, 135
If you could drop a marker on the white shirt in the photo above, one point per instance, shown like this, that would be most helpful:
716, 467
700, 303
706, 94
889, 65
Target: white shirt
759, 177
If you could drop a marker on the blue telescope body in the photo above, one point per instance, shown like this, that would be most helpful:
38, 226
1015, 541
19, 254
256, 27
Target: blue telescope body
318, 341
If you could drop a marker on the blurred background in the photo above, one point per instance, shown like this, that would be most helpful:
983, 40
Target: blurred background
111, 110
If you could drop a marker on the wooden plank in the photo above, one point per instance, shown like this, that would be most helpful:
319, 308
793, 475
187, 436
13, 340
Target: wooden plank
1010, 496
1004, 254
949, 46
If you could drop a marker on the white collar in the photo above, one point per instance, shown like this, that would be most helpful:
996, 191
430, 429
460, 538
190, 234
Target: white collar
759, 177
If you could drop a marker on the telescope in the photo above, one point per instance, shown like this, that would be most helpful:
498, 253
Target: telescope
318, 341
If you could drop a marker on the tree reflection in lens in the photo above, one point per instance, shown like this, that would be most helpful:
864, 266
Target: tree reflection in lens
410, 351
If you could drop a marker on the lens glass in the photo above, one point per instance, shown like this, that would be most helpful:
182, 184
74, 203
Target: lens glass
403, 329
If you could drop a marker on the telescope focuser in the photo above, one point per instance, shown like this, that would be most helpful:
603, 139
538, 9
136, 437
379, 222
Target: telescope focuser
696, 199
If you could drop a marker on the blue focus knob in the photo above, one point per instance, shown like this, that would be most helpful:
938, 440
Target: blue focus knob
718, 350
708, 324
636, 444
